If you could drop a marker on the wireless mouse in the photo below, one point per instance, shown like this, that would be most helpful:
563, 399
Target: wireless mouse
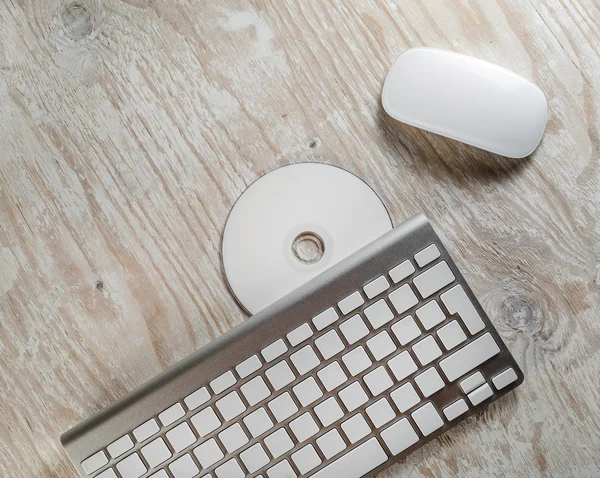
466, 99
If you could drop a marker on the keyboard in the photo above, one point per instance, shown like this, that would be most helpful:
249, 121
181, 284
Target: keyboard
340, 379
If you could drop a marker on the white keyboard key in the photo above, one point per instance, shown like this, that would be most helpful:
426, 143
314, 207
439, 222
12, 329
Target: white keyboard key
430, 315
405, 397
199, 397
280, 375
456, 409
472, 382
427, 350
457, 302
279, 442
131, 467
205, 421
156, 452
248, 366
427, 419
283, 407
480, 395
434, 279
231, 405
223, 382
329, 411
307, 391
306, 459
503, 379
376, 287
380, 412
470, 356
208, 453
353, 396
378, 381
258, 422
331, 443
354, 329
381, 345
356, 428
254, 458
233, 438
300, 334
350, 303
406, 330
111, 474
120, 446
356, 360
255, 390
402, 365
332, 376
400, 436
403, 298
158, 474
329, 344
94, 462
146, 430
304, 427
356, 463
379, 314
325, 318
429, 382
181, 437
283, 469
273, 351
171, 414
229, 469
402, 271
184, 467
451, 335
305, 360
427, 255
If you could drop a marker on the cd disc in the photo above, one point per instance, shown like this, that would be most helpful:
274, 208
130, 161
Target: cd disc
294, 223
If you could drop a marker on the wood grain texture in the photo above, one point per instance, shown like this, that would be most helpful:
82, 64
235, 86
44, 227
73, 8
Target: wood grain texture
128, 129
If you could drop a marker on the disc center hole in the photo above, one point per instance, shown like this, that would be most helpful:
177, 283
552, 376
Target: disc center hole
308, 247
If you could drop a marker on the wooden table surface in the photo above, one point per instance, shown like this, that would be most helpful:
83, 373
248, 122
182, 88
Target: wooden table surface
128, 128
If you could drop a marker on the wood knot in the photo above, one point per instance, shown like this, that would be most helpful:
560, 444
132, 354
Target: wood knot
80, 19
516, 308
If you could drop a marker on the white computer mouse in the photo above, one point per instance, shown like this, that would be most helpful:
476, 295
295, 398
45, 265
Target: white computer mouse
466, 99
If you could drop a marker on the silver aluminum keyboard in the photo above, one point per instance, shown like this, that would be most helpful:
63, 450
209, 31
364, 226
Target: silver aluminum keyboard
343, 377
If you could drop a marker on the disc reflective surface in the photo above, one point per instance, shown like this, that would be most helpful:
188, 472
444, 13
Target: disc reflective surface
294, 223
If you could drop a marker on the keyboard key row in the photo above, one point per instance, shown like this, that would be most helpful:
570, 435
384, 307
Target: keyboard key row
307, 392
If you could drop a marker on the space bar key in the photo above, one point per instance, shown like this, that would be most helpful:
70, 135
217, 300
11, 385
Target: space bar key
356, 463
